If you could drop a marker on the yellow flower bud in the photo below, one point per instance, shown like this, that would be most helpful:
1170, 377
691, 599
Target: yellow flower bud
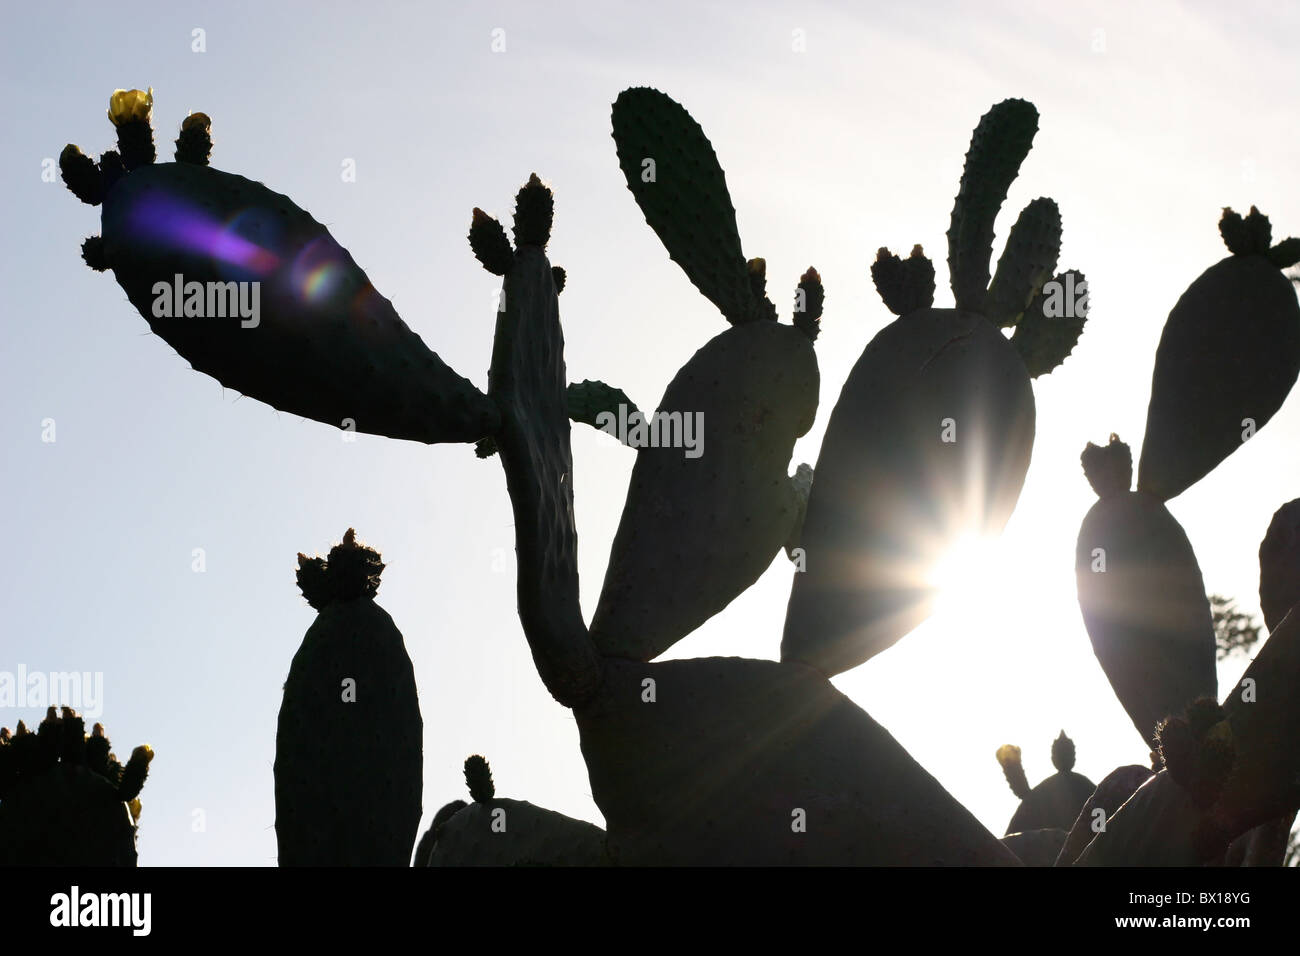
199, 120
130, 106
134, 807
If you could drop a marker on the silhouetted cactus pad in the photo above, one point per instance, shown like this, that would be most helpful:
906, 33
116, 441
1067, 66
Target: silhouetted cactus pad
323, 343
752, 763
527, 382
904, 285
1228, 357
1036, 847
1027, 262
487, 240
589, 400
1158, 826
1144, 606
1050, 327
348, 746
1115, 788
703, 521
1000, 143
1265, 724
65, 800
1055, 803
1279, 565
505, 832
810, 298
1197, 749
671, 169
534, 213
478, 778
929, 441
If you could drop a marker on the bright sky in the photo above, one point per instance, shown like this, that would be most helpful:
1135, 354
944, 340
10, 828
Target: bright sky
1153, 117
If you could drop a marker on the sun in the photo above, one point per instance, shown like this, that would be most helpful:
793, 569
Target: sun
966, 574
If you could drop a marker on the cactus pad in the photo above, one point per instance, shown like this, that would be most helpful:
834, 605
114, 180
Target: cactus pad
1228, 357
671, 169
930, 440
348, 761
1049, 328
702, 525
1279, 565
1144, 606
65, 800
750, 763
1027, 262
1000, 143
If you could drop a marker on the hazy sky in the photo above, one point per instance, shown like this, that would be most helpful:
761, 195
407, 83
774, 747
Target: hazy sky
1153, 117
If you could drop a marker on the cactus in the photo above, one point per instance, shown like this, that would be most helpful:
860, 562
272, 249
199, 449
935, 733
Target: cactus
741, 761
259, 294
710, 502
494, 831
65, 800
1142, 596
349, 740
1228, 357
932, 434
1053, 804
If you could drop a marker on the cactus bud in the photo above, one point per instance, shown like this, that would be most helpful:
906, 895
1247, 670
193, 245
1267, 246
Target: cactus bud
488, 241
111, 168
194, 145
1110, 469
81, 175
809, 298
756, 269
1009, 759
478, 776
1245, 236
534, 213
131, 111
1063, 753
92, 253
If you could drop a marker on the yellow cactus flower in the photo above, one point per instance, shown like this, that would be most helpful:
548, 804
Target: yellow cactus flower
130, 106
144, 752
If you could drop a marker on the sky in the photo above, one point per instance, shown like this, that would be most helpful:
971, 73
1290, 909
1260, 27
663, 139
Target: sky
842, 128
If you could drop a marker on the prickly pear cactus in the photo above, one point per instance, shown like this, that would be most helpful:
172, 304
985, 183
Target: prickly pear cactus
728, 760
1279, 565
1053, 804
349, 742
1142, 595
931, 437
748, 762
65, 800
710, 502
495, 831
252, 290
1227, 359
